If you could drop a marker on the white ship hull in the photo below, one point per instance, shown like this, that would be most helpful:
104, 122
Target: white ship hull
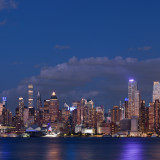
51, 135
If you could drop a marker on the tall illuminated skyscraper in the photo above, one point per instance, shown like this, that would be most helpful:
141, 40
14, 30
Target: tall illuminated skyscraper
30, 96
116, 114
133, 99
4, 101
39, 102
51, 109
21, 107
156, 91
100, 114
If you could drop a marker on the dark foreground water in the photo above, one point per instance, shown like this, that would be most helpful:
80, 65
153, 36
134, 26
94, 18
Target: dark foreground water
80, 148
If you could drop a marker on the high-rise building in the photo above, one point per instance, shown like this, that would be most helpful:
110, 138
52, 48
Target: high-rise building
65, 114
74, 118
122, 107
90, 103
39, 102
142, 117
32, 116
147, 120
31, 112
39, 110
156, 91
100, 114
116, 114
26, 116
80, 111
87, 113
126, 108
4, 102
21, 107
7, 117
54, 107
133, 99
51, 109
134, 124
30, 96
154, 114
1, 114
19, 119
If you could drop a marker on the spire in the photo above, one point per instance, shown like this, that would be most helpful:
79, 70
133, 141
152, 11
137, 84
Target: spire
39, 95
39, 102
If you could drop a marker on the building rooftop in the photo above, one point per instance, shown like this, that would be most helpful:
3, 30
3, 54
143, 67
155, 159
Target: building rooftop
54, 97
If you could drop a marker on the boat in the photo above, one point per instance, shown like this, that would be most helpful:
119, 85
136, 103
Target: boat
115, 135
51, 134
154, 135
25, 135
13, 135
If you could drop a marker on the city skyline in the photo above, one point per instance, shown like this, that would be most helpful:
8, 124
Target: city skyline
34, 99
83, 77
82, 49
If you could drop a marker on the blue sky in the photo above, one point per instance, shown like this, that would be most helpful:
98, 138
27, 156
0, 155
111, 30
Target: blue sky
38, 34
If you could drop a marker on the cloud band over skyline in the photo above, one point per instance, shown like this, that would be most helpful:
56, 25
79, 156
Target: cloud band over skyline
101, 79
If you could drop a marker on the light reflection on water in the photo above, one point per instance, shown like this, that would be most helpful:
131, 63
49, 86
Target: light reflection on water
53, 152
79, 149
132, 151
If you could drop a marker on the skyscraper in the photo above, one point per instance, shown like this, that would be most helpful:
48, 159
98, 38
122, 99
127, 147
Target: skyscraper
21, 107
54, 107
154, 114
156, 91
39, 110
133, 99
30, 96
100, 113
126, 107
116, 114
39, 102
4, 101
51, 109
19, 114
142, 117
87, 113
80, 111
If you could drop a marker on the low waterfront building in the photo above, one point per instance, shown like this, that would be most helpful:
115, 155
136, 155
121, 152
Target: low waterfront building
88, 131
125, 124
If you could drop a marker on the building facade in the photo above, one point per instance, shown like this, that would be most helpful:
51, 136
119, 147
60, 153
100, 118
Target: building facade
133, 99
156, 91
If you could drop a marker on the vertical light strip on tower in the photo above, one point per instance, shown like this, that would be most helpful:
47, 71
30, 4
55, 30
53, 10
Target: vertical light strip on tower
30, 96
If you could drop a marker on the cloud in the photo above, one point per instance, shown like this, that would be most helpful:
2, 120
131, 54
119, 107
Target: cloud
7, 4
101, 79
15, 63
3, 22
144, 48
61, 47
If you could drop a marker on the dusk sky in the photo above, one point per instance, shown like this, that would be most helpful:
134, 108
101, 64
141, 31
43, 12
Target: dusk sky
79, 49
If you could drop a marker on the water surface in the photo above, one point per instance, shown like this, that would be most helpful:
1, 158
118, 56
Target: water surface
78, 148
